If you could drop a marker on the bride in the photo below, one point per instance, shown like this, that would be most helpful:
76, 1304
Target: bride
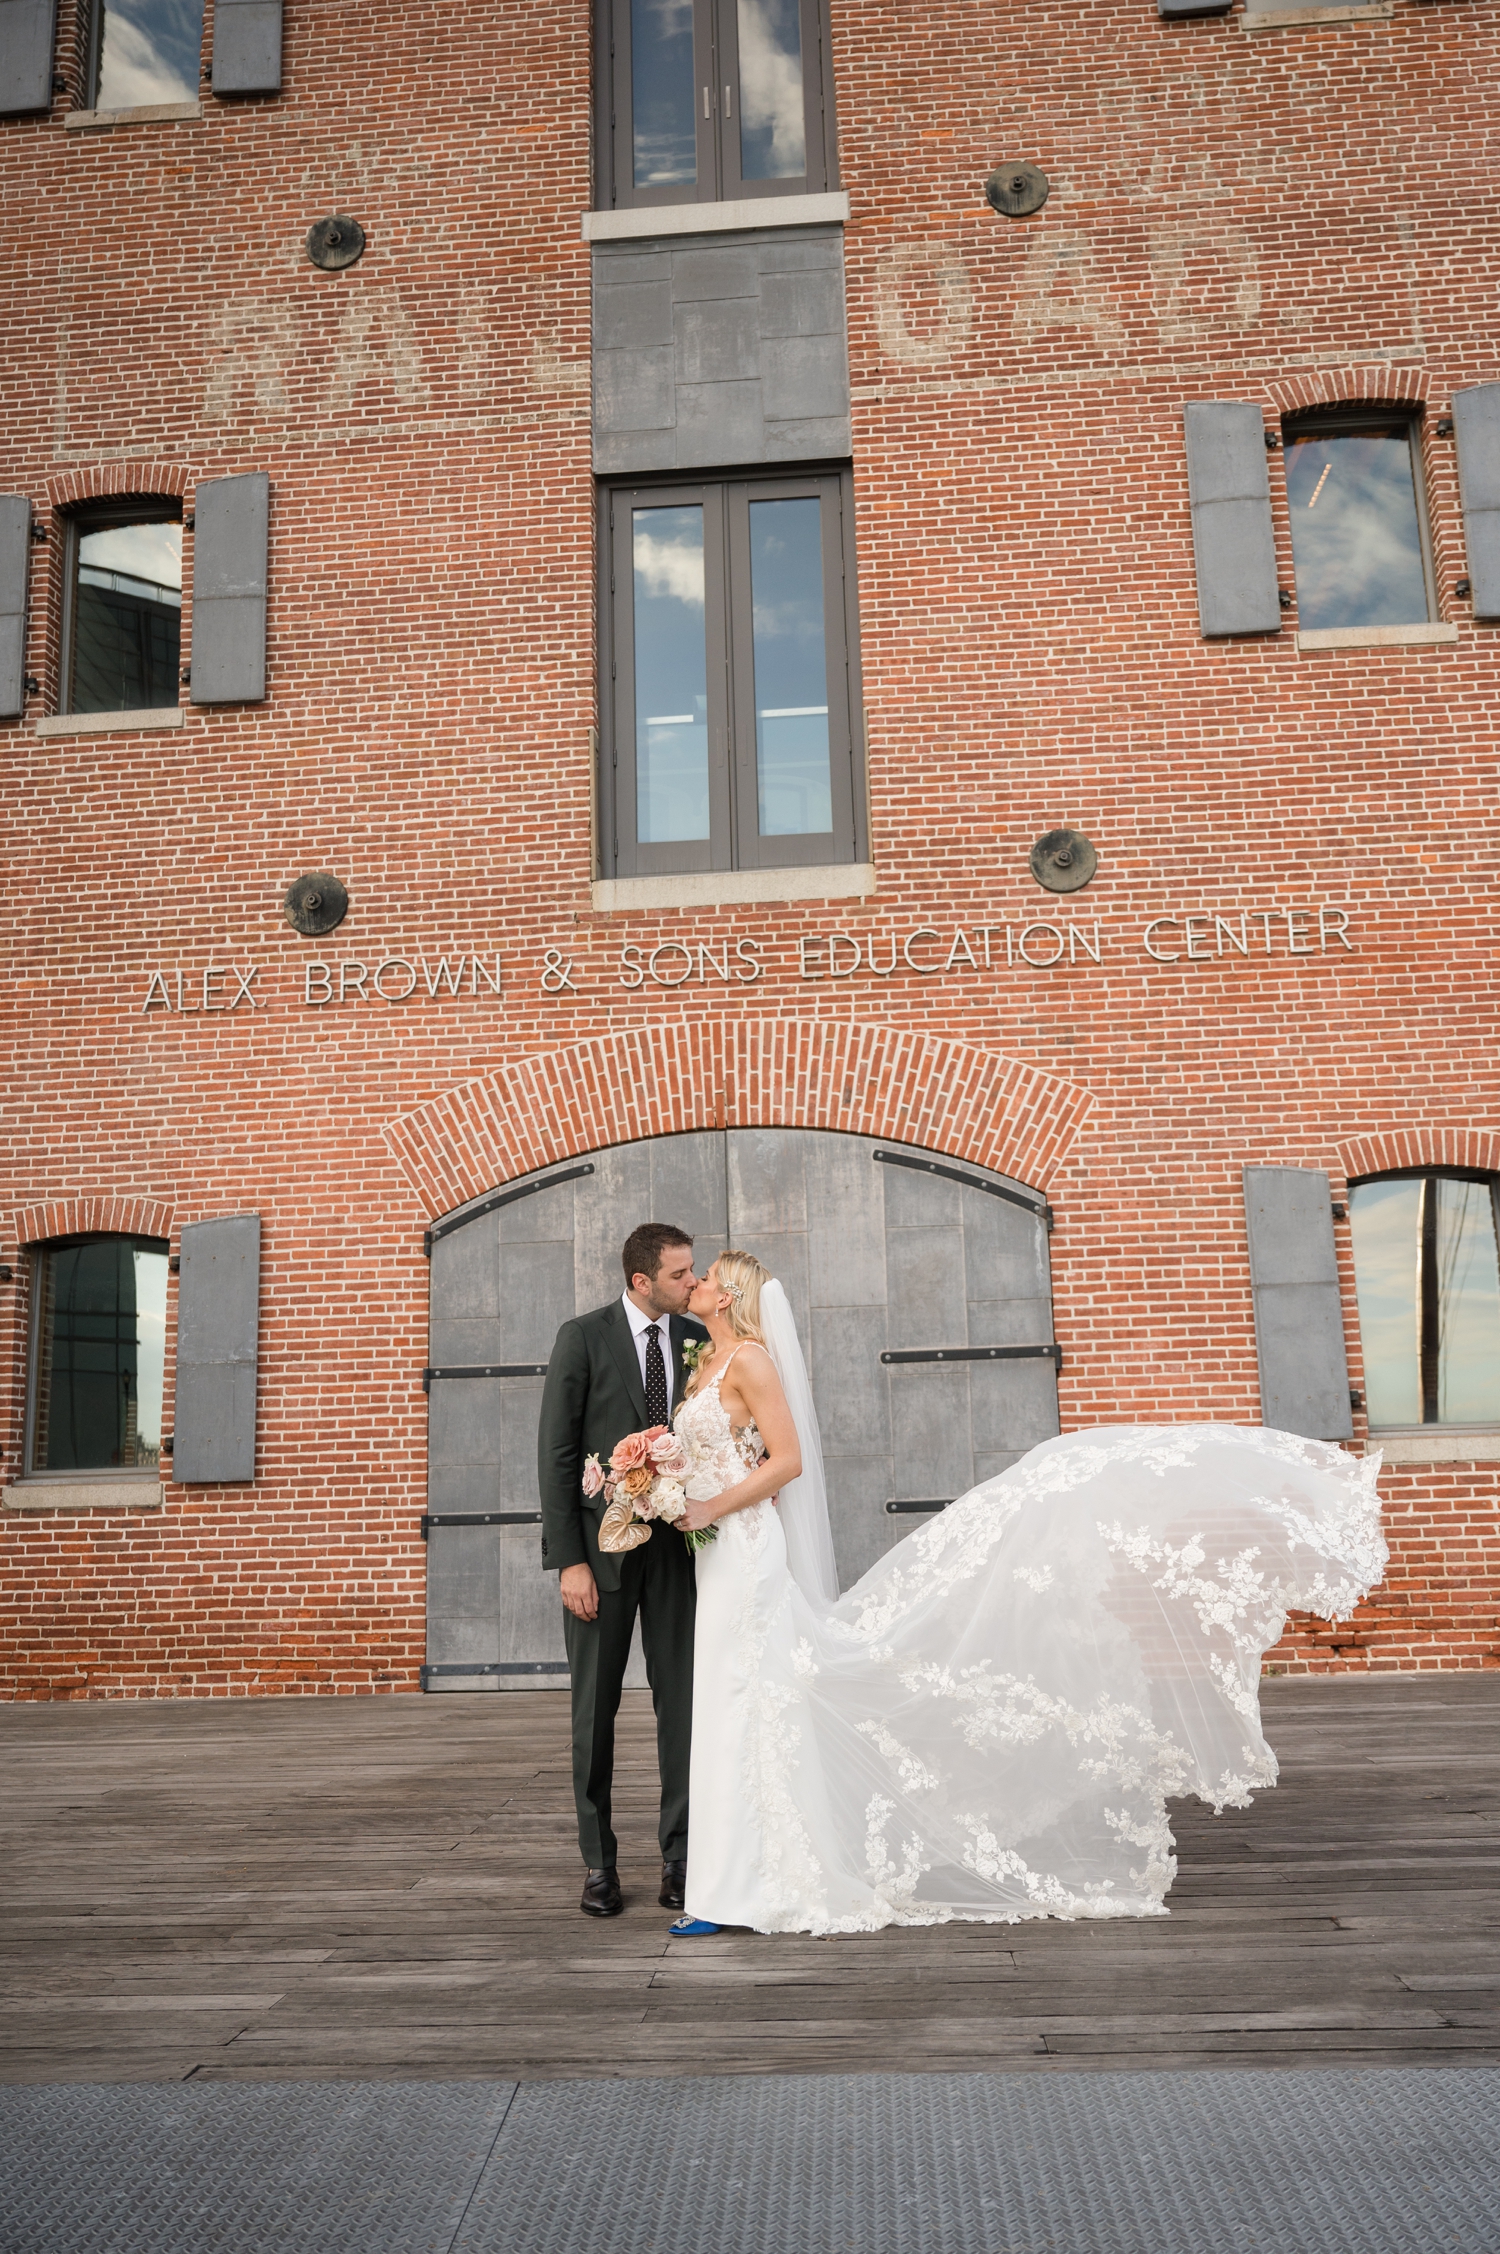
990, 1723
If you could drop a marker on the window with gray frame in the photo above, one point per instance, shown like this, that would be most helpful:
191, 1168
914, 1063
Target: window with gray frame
729, 676
98, 1348
1427, 1274
1359, 524
122, 608
702, 101
143, 53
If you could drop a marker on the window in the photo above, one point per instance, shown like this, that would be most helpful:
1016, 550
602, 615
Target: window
122, 624
730, 676
97, 1355
1359, 539
1428, 1280
711, 100
145, 52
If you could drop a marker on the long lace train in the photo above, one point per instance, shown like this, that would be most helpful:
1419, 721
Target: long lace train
990, 1723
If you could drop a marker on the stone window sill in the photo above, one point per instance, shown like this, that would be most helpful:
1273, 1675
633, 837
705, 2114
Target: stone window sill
154, 113
1437, 1444
714, 218
1375, 637
1290, 19
111, 723
731, 887
100, 1493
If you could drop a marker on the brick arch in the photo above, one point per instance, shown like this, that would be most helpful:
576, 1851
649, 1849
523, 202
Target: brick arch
1332, 387
100, 481
767, 1072
92, 1216
1421, 1146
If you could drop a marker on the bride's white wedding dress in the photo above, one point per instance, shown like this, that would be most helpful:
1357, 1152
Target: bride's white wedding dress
990, 1723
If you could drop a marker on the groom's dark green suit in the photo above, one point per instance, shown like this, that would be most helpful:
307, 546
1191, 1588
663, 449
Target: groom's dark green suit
594, 1395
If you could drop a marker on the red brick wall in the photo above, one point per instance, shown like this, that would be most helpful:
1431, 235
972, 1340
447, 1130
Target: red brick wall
1231, 216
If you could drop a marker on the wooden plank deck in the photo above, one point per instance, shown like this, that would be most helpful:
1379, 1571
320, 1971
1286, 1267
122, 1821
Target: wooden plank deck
292, 1889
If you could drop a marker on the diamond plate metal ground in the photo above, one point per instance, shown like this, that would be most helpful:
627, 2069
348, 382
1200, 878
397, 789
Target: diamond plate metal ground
1386, 2161
1380, 2162
261, 2168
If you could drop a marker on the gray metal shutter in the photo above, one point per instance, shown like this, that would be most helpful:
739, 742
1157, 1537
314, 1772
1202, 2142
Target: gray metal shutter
1171, 8
27, 31
1230, 495
247, 47
1299, 1319
1476, 429
505, 1273
218, 1309
230, 546
922, 1291
15, 562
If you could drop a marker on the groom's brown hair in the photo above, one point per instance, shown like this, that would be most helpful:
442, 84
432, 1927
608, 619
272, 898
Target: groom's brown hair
645, 1246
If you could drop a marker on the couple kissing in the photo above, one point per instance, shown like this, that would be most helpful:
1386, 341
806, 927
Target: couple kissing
989, 1724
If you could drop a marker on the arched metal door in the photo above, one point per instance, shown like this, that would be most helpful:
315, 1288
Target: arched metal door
922, 1293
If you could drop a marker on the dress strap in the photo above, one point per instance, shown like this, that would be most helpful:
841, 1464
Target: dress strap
719, 1375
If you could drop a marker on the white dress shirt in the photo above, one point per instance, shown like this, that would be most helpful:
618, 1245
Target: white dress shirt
640, 1323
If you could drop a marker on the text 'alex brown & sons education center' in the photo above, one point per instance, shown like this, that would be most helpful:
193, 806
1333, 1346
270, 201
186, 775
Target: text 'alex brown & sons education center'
868, 629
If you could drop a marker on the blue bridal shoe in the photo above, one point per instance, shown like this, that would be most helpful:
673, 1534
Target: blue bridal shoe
684, 1928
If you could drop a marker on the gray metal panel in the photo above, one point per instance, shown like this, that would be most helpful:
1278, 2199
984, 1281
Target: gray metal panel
500, 1287
230, 554
1173, 8
27, 31
218, 1315
247, 47
15, 564
1299, 1322
719, 353
1230, 495
898, 1257
1476, 431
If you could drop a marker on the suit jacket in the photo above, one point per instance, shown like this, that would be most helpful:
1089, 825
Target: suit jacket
594, 1395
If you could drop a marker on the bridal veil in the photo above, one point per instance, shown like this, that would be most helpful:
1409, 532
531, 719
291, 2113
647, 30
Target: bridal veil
803, 1503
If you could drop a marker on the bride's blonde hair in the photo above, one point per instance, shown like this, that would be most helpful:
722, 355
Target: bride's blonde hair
743, 1277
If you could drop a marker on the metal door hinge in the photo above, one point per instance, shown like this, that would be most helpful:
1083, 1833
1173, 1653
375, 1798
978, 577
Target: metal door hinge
1053, 1354
479, 1518
486, 1369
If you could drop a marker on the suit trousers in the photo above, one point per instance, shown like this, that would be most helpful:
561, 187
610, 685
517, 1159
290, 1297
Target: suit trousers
656, 1582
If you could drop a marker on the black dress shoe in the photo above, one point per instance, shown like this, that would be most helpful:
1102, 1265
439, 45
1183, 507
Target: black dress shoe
601, 1893
673, 1886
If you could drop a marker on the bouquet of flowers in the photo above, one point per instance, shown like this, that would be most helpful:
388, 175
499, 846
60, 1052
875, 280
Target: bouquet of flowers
646, 1479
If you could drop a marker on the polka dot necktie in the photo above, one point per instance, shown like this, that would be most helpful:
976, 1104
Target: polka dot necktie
656, 1378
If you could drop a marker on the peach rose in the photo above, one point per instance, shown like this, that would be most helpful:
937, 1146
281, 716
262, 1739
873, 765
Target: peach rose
630, 1453
633, 1483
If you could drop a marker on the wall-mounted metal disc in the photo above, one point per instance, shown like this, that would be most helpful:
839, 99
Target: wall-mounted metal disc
316, 904
1017, 189
1063, 860
335, 242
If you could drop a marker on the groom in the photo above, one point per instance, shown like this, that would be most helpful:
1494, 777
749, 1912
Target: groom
620, 1370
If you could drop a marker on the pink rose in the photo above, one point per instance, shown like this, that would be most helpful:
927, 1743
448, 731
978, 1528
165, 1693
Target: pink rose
669, 1456
593, 1476
630, 1453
